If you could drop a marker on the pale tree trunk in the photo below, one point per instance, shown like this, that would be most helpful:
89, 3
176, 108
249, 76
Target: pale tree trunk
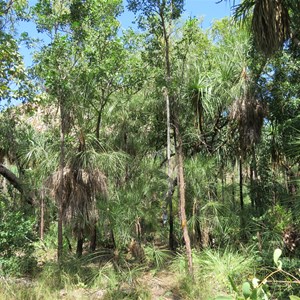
253, 179
169, 103
61, 189
42, 221
242, 216
169, 194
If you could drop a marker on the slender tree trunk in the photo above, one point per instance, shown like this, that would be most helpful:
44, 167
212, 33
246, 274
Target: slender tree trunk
79, 248
223, 183
171, 226
42, 221
169, 197
241, 184
93, 242
179, 152
242, 215
169, 104
233, 188
98, 124
99, 121
253, 168
252, 194
61, 193
182, 204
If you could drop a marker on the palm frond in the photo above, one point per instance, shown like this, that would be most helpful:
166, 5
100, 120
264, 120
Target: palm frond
270, 25
81, 188
249, 114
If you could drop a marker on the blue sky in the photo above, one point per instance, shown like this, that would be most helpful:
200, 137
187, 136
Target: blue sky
209, 10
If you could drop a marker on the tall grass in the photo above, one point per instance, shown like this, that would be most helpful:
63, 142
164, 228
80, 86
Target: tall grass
213, 270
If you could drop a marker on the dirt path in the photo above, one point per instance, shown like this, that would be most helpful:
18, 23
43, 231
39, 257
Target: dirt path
161, 286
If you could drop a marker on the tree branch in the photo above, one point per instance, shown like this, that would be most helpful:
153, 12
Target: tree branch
15, 182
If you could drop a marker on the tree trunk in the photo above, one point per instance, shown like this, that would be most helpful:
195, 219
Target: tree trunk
79, 248
253, 180
169, 197
242, 216
233, 188
179, 153
93, 242
61, 193
98, 124
42, 221
241, 184
223, 183
181, 185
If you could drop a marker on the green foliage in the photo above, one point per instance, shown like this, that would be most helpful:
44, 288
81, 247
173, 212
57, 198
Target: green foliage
259, 290
151, 10
16, 243
12, 70
157, 257
216, 272
108, 86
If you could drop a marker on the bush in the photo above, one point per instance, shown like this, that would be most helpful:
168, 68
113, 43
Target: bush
16, 244
213, 271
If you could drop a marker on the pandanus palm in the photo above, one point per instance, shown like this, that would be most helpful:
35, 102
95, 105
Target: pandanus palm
83, 183
271, 22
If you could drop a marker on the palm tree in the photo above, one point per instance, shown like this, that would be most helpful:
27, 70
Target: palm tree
271, 22
82, 183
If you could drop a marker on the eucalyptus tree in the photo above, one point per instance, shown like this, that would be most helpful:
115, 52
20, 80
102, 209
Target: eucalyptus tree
95, 29
56, 64
158, 18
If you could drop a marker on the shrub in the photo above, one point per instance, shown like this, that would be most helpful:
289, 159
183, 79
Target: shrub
16, 243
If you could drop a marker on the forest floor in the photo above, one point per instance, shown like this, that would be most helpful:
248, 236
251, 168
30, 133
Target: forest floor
162, 286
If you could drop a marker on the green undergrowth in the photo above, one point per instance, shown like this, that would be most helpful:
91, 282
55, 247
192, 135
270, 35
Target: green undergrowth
213, 271
218, 274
